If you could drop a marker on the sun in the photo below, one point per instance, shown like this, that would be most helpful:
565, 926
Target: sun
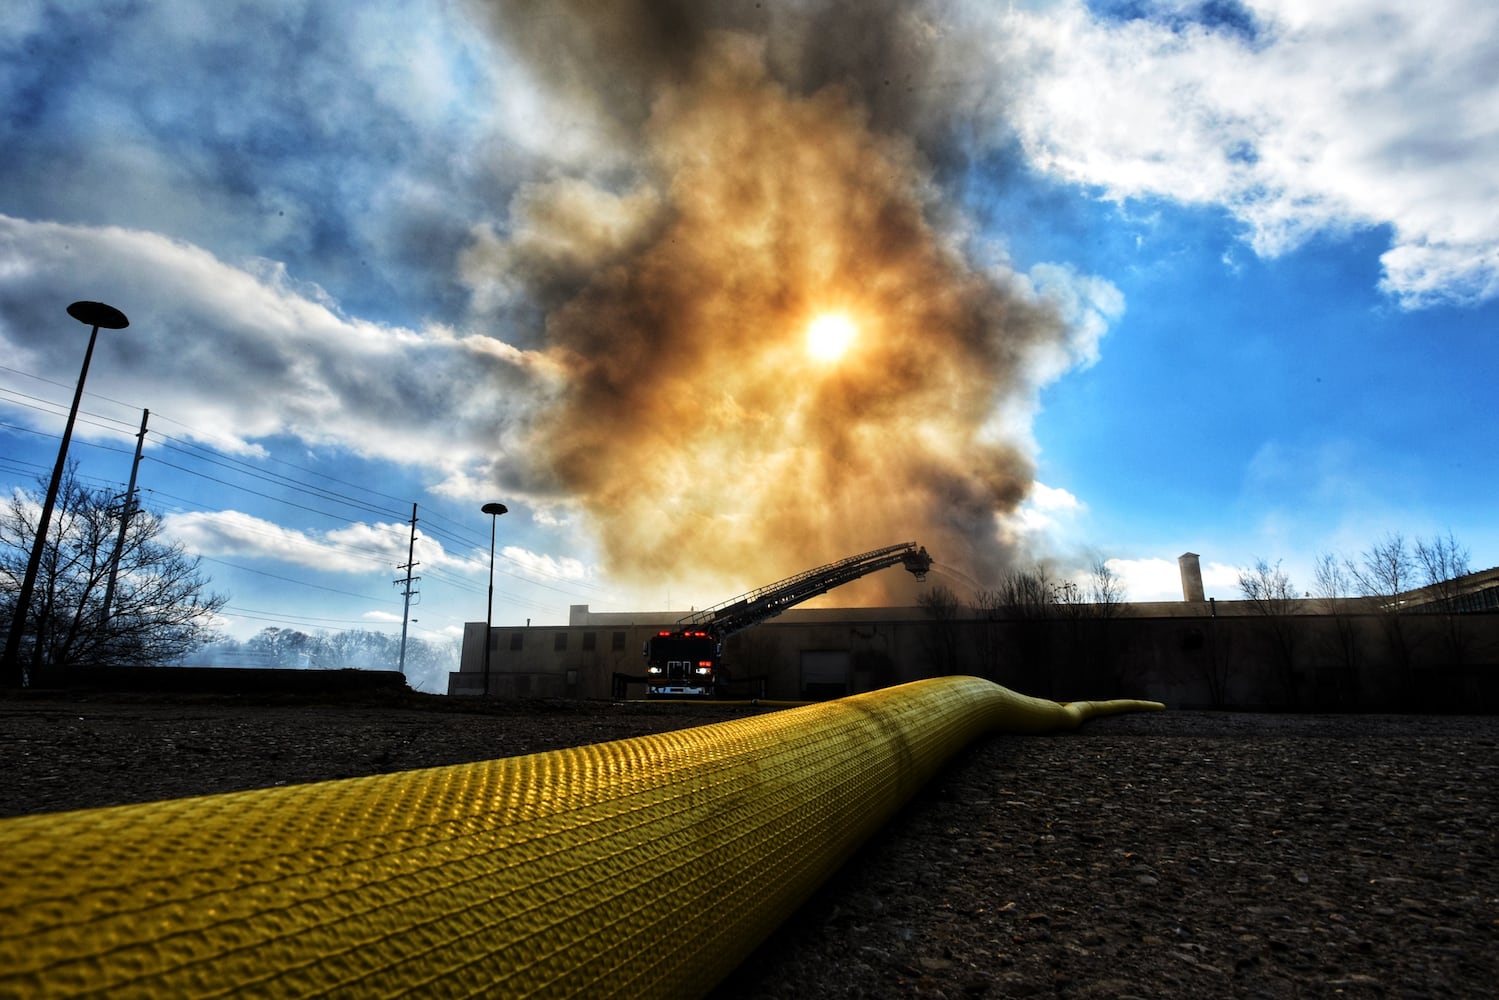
829, 336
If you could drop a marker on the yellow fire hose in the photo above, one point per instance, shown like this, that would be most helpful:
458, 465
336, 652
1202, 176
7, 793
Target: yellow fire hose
644, 867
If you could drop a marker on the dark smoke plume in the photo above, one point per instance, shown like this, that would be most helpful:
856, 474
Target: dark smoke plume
780, 173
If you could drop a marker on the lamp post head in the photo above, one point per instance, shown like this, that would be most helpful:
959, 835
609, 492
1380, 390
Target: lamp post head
98, 314
494, 508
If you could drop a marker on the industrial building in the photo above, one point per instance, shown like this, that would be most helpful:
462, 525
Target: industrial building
803, 653
1193, 652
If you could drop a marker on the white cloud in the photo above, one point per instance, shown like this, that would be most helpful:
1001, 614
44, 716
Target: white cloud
1087, 305
536, 564
235, 354
1334, 116
1148, 580
1052, 499
1046, 520
361, 549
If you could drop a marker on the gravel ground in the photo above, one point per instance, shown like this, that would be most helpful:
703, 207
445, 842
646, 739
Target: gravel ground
1168, 855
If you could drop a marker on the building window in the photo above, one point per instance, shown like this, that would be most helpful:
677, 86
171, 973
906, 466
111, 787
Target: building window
559, 644
619, 642
517, 639
590, 639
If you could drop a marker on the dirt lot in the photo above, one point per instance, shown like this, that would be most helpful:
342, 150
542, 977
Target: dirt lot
1163, 855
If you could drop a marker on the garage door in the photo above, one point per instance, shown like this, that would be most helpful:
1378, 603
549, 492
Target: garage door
825, 673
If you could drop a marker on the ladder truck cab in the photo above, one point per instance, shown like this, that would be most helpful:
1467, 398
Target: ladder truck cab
684, 662
681, 664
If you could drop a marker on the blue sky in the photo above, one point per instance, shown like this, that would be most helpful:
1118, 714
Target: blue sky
1131, 280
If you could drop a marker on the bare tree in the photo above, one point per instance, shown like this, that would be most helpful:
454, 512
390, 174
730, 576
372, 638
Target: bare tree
1101, 595
1386, 570
941, 638
1026, 594
1384, 573
1268, 586
1443, 563
288, 647
1106, 590
428, 662
1024, 603
161, 607
1270, 590
1333, 590
1089, 607
990, 610
1108, 596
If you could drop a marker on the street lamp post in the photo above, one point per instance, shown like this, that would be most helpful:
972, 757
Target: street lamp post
494, 510
96, 315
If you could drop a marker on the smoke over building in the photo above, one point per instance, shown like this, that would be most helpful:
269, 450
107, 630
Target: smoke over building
774, 347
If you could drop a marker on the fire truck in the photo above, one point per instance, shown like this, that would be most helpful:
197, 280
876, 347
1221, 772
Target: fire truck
684, 662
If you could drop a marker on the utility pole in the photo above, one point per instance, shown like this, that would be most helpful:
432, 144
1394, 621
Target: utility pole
114, 562
408, 580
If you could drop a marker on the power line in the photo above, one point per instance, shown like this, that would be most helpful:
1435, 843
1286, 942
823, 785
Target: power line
454, 581
112, 423
58, 408
374, 556
456, 536
20, 466
530, 572
294, 465
16, 465
528, 575
68, 387
261, 614
103, 422
181, 445
459, 529
299, 583
246, 489
447, 577
186, 447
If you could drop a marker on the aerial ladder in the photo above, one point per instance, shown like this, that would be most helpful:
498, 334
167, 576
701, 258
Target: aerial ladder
684, 662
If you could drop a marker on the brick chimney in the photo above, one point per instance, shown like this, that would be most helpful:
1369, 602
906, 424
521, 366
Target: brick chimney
1191, 571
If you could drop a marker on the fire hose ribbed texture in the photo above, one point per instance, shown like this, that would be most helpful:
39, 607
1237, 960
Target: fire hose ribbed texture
644, 867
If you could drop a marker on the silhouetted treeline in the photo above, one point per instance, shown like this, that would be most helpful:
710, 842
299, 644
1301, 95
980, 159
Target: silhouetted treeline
427, 663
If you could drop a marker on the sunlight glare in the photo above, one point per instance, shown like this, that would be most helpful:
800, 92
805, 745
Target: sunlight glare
829, 336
